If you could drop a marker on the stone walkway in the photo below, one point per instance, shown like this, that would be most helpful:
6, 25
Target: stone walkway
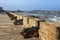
9, 31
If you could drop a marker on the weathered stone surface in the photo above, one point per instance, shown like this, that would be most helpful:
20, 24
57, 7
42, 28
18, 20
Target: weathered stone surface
47, 31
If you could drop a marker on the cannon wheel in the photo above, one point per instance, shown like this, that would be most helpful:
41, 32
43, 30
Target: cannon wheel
25, 36
36, 34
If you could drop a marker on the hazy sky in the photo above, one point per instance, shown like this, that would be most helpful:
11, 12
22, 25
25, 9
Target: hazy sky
30, 4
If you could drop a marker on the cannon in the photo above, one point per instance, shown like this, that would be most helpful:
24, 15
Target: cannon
30, 32
14, 17
18, 22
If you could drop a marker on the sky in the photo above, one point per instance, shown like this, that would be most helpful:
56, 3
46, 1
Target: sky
30, 4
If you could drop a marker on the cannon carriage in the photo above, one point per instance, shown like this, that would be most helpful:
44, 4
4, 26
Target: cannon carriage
30, 32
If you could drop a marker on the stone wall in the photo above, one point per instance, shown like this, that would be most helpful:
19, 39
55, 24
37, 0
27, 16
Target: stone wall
47, 31
29, 22
32, 22
25, 22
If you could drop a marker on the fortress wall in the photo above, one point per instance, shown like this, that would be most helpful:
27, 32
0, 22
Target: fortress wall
47, 31
25, 22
